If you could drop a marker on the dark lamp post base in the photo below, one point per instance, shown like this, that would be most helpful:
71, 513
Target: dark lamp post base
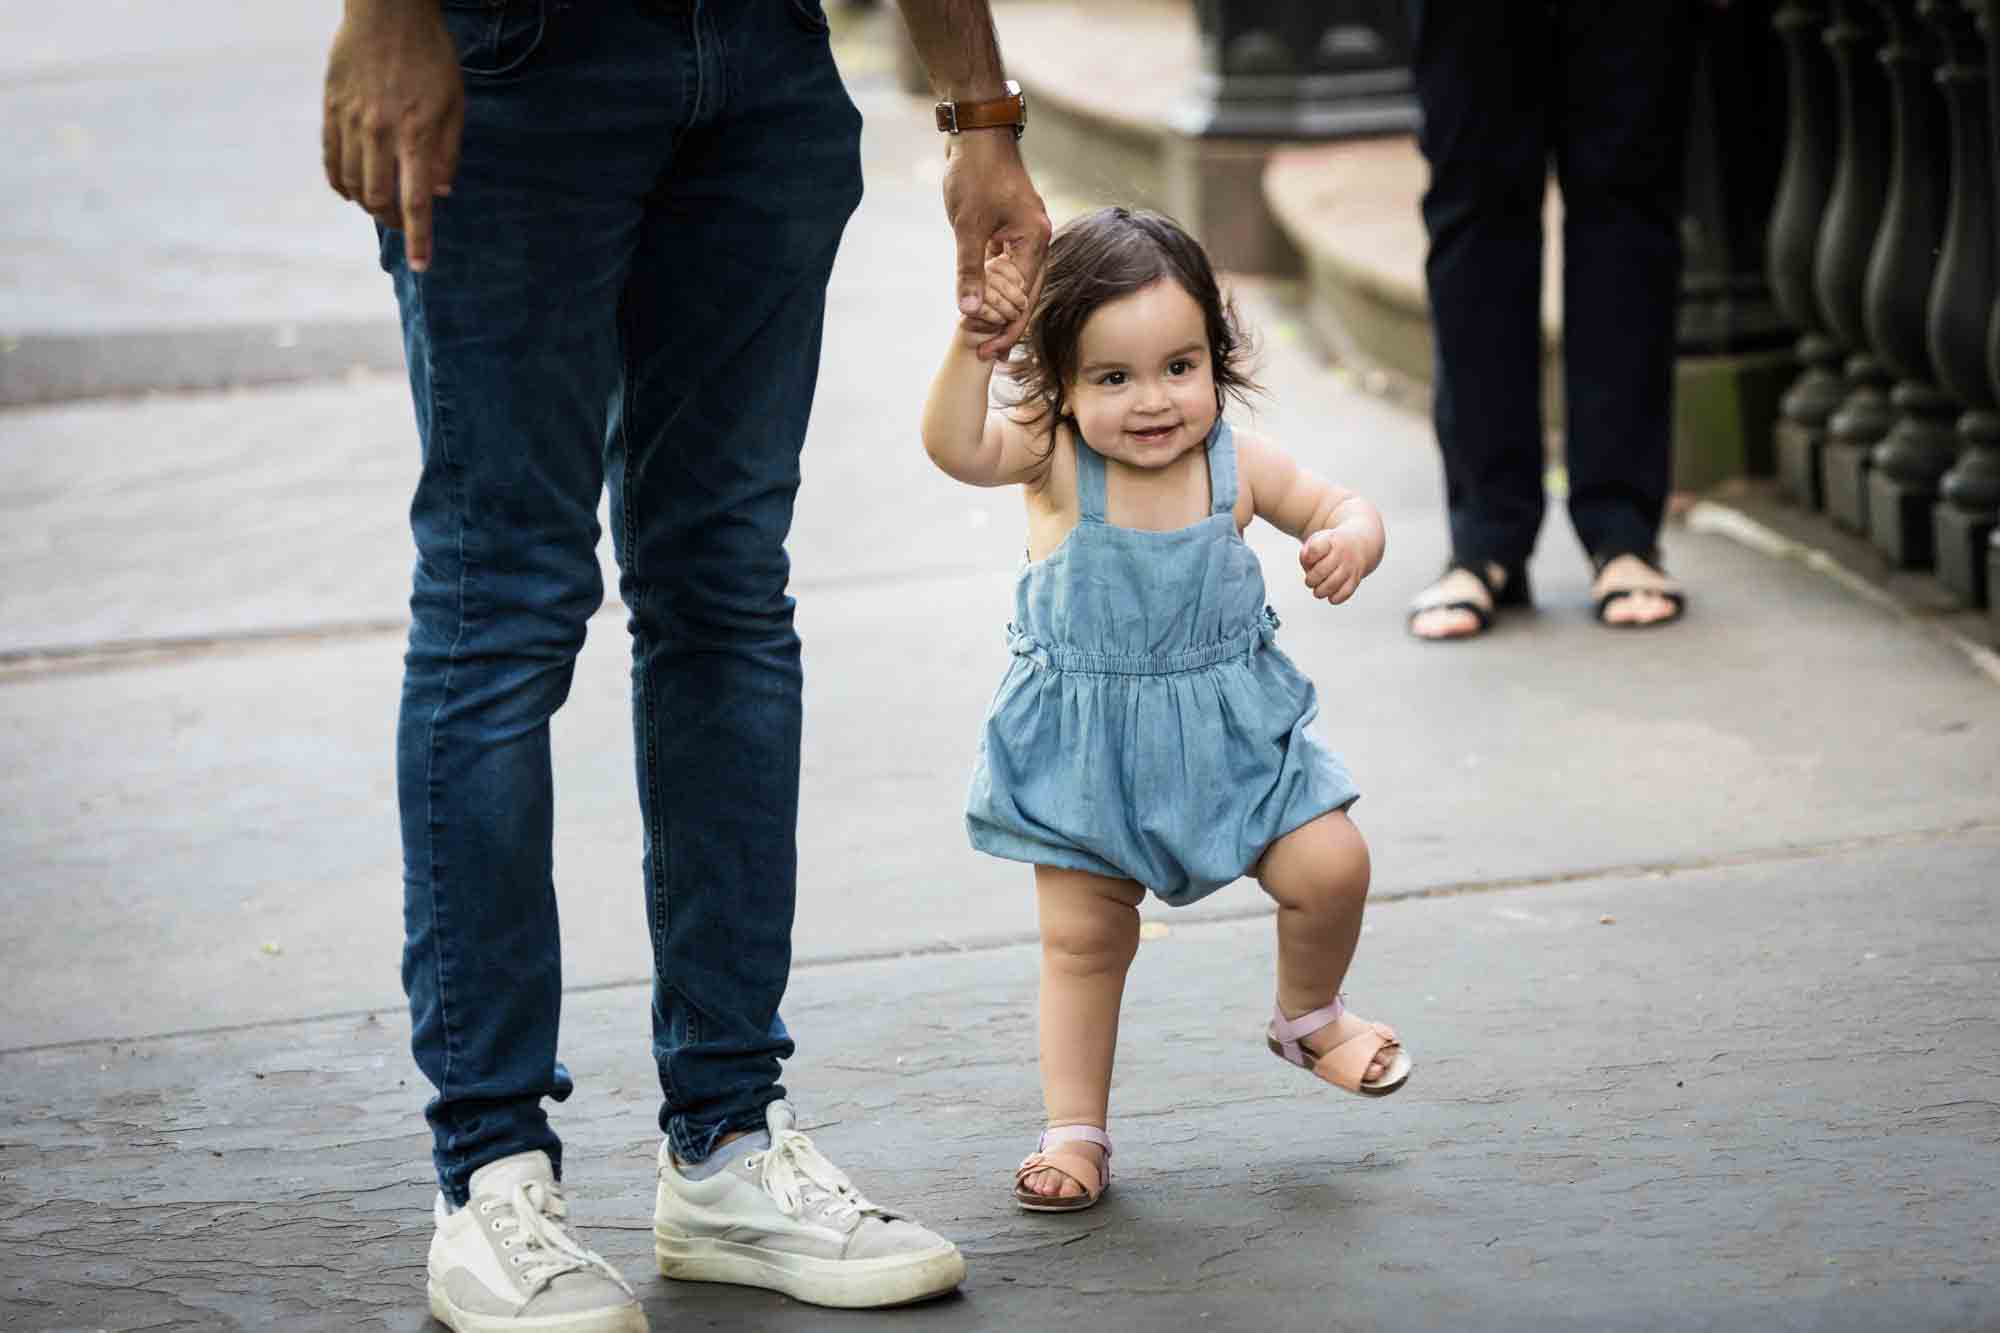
1899, 520
1961, 541
1798, 464
1844, 470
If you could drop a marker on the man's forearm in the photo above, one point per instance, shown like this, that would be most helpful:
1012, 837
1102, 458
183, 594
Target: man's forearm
956, 42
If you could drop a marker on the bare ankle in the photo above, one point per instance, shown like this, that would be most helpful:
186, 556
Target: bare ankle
1297, 1004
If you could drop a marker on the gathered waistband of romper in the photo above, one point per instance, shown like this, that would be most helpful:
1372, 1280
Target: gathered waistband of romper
1055, 657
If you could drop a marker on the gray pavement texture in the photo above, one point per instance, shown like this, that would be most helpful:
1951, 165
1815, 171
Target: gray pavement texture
1691, 933
167, 223
1762, 1096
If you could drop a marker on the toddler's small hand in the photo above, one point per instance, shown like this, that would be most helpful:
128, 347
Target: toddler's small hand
1333, 564
1006, 296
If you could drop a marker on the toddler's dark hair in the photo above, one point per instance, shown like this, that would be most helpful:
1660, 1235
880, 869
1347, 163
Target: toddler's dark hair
1097, 258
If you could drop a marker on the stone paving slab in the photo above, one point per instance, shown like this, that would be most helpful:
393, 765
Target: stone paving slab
1763, 1095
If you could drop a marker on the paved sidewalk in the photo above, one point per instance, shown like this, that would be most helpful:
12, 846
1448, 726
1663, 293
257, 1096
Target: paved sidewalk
1764, 1095
1691, 934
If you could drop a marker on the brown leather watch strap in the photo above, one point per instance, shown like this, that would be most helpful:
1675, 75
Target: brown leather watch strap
995, 113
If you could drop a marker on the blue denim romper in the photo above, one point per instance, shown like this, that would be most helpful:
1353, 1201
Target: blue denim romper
1148, 726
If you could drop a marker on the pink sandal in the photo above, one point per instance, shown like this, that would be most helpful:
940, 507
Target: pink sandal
1344, 1065
1074, 1167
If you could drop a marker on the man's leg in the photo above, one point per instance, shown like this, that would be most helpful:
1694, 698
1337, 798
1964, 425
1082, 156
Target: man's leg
512, 339
1624, 70
513, 353
720, 331
1480, 74
721, 327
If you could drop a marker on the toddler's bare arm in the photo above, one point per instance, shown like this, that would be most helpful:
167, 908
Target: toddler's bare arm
1340, 533
965, 435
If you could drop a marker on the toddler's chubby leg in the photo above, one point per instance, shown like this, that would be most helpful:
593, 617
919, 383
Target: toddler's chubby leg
1090, 932
1318, 876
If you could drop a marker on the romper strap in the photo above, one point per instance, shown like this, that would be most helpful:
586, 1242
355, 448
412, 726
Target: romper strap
1089, 479
1222, 467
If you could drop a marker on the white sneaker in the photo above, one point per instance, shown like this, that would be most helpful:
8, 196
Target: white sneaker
507, 1263
788, 1219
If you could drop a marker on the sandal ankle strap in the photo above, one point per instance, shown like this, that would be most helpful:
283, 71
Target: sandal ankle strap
1288, 1031
1075, 1134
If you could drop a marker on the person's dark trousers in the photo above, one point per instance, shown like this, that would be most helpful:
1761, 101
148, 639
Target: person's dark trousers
1601, 88
627, 290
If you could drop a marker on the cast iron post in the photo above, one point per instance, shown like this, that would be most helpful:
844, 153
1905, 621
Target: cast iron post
1962, 307
1853, 216
1906, 465
1725, 302
1803, 188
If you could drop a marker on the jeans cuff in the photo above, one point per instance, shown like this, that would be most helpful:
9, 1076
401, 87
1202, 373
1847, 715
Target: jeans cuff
693, 1140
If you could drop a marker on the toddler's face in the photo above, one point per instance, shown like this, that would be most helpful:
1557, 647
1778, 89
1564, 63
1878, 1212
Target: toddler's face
1144, 391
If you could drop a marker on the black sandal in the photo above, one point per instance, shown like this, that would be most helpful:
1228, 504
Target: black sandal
1512, 591
1651, 560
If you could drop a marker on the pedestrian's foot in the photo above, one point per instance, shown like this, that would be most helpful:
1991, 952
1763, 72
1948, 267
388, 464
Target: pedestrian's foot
1630, 592
1459, 605
1050, 1183
508, 1261
783, 1217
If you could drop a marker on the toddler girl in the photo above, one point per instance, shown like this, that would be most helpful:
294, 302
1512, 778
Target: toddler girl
1149, 734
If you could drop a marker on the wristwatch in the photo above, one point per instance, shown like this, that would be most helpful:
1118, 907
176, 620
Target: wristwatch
993, 114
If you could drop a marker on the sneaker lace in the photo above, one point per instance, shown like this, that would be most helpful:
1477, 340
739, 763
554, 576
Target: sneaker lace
795, 1174
546, 1249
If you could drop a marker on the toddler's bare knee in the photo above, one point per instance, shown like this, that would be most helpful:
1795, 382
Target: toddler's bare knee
1095, 942
1348, 868
1333, 875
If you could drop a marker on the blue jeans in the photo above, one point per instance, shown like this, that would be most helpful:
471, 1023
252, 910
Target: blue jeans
628, 289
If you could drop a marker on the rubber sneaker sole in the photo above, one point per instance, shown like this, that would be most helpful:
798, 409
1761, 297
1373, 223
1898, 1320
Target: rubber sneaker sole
630, 1319
845, 1284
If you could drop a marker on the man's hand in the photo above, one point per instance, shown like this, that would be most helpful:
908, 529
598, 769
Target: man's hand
395, 106
1005, 300
994, 210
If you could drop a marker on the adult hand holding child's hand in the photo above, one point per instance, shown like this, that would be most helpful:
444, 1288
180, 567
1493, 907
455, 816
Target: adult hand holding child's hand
1003, 301
994, 212
1334, 564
